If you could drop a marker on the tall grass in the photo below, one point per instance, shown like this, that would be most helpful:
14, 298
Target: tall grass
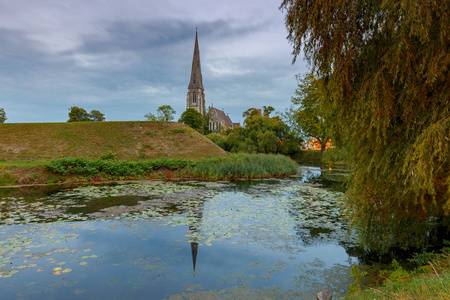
85, 166
431, 280
244, 166
234, 166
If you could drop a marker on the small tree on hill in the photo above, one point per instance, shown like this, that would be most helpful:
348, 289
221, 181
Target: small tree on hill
151, 117
164, 113
97, 116
2, 115
78, 114
192, 118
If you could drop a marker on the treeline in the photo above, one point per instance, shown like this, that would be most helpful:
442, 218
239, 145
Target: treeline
77, 114
260, 133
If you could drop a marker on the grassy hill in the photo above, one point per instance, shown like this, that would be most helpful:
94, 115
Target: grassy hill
26, 142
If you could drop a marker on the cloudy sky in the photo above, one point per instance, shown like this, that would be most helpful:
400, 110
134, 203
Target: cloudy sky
128, 57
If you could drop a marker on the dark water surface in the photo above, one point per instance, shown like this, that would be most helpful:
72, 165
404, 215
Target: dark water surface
267, 239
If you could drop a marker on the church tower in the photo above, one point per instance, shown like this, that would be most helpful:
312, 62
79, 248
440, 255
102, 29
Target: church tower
196, 92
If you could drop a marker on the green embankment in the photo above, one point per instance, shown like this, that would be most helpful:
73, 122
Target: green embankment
34, 153
429, 280
32, 142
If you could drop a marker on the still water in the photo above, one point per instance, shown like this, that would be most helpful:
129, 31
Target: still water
265, 239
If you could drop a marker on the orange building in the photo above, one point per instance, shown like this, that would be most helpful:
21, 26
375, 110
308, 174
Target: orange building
315, 145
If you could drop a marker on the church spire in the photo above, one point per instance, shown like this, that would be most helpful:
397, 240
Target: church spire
196, 93
196, 72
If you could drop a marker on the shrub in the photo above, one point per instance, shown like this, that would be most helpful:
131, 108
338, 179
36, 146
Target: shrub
234, 166
245, 166
108, 156
178, 130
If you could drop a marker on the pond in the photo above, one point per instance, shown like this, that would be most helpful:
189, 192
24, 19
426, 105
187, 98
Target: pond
265, 239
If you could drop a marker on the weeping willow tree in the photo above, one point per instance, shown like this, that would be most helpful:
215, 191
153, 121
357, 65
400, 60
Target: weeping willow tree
387, 63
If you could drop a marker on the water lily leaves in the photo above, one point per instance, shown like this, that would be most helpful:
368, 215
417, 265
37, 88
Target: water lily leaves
135, 189
8, 274
57, 271
275, 217
79, 291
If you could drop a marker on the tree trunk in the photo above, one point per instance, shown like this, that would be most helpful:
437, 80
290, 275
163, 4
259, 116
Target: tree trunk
322, 147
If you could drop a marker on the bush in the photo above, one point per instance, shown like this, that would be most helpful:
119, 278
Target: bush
245, 166
85, 166
108, 156
219, 140
234, 166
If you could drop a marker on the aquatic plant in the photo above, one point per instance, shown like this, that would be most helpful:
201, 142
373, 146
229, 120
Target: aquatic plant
86, 166
234, 166
244, 166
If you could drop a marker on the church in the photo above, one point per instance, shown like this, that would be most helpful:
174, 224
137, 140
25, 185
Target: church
218, 120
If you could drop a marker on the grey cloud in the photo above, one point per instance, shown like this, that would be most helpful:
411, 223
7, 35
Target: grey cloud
130, 67
158, 34
18, 53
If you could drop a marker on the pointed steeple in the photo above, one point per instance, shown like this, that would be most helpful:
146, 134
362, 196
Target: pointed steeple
194, 250
196, 72
196, 93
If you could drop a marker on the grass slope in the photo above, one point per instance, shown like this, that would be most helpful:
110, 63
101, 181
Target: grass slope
26, 142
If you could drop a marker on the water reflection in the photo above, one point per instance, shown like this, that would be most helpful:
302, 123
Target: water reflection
195, 214
334, 177
280, 237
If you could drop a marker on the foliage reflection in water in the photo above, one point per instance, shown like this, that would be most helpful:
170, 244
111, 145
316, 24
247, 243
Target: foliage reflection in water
274, 238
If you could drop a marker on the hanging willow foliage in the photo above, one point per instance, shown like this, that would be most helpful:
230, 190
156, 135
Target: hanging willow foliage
388, 64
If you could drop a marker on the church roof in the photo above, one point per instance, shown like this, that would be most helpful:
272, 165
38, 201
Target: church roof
223, 117
196, 72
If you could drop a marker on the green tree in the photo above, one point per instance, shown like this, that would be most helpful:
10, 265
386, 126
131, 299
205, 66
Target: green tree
251, 112
78, 114
97, 116
3, 117
387, 65
261, 134
267, 110
219, 139
308, 110
193, 119
166, 113
151, 117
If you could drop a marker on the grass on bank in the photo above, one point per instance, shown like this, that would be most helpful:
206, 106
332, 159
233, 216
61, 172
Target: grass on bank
107, 167
134, 140
430, 280
234, 166
243, 166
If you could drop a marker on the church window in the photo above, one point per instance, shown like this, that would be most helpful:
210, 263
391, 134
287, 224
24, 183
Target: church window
194, 98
